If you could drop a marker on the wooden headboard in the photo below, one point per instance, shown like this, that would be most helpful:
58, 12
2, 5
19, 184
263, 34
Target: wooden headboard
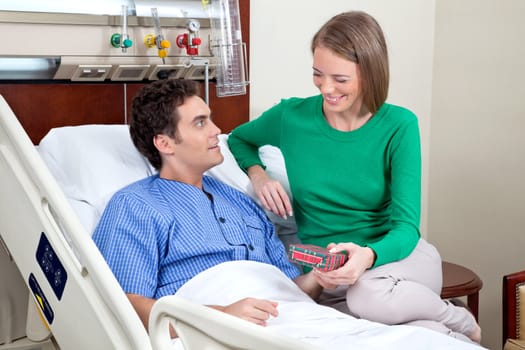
41, 106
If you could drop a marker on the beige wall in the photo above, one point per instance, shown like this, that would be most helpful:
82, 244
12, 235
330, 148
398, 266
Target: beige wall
458, 66
477, 148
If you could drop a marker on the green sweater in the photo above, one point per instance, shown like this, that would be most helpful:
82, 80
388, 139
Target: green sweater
362, 186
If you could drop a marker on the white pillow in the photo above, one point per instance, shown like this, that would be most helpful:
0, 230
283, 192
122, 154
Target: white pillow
91, 162
87, 214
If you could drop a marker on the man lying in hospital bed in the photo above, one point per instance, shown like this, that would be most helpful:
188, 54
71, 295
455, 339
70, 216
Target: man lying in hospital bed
158, 233
108, 155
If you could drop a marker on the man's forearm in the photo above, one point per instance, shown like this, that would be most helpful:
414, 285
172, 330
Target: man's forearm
143, 306
309, 285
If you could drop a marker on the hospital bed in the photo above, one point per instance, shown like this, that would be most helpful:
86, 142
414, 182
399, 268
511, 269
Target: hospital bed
51, 198
78, 299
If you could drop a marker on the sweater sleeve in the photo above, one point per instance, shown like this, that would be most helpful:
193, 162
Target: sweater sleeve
405, 165
245, 140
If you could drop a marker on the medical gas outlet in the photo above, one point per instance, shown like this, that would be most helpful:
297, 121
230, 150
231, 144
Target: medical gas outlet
117, 42
158, 39
190, 41
122, 40
159, 42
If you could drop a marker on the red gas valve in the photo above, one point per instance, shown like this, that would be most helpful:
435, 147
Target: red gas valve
190, 41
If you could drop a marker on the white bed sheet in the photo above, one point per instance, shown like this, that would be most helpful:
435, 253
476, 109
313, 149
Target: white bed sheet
301, 318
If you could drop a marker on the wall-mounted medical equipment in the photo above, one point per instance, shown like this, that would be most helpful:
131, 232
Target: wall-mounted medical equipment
227, 44
157, 41
191, 40
134, 45
122, 39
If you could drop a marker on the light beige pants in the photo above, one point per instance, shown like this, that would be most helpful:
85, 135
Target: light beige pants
404, 292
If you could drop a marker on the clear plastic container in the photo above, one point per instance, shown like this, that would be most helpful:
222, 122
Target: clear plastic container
227, 46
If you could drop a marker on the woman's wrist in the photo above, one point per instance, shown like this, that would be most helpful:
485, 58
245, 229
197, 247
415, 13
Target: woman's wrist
255, 171
373, 257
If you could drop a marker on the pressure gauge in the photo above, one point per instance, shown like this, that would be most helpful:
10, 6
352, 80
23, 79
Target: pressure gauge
194, 25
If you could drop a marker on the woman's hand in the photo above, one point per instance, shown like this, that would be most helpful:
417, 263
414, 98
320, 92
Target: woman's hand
257, 311
270, 192
359, 260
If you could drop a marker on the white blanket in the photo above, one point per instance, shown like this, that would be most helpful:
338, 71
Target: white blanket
300, 317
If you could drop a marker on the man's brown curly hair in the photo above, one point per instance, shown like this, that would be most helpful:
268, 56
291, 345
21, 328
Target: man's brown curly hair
154, 112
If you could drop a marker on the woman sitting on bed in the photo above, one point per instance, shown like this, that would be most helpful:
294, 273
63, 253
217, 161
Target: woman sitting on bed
354, 167
158, 233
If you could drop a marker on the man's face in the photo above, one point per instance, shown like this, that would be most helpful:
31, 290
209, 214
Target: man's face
196, 149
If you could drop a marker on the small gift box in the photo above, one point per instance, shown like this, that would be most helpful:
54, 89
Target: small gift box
315, 256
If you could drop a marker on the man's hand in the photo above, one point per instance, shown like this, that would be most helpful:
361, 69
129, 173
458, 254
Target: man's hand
257, 311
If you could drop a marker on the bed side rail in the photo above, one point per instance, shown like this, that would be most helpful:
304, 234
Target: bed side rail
200, 327
79, 298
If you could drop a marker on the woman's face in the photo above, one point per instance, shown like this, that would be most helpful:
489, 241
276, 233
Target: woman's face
338, 81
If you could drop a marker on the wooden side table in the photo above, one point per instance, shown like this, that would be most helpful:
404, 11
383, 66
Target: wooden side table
460, 281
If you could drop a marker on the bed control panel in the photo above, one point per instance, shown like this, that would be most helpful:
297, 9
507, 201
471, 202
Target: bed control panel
53, 269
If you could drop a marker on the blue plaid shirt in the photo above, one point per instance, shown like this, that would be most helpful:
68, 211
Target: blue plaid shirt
156, 234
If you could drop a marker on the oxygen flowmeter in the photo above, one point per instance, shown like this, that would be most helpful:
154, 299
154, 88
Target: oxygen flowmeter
158, 39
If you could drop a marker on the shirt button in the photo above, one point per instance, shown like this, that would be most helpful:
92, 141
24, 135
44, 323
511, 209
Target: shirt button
251, 247
222, 220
